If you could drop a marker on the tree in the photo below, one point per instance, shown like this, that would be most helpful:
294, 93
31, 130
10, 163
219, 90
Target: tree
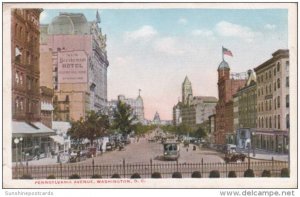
169, 128
76, 131
141, 129
95, 125
123, 118
183, 129
200, 133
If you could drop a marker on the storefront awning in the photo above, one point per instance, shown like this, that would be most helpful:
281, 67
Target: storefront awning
58, 139
33, 128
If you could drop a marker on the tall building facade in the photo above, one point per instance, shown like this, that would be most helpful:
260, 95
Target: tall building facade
247, 113
227, 87
79, 64
177, 114
247, 99
212, 128
273, 103
193, 110
27, 129
137, 106
187, 91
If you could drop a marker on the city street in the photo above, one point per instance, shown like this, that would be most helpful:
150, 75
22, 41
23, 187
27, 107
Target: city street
143, 151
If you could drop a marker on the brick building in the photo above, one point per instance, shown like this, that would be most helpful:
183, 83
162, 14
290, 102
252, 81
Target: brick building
46, 105
227, 87
30, 136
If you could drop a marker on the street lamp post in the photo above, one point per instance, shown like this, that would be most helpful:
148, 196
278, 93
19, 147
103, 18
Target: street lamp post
253, 142
16, 141
249, 148
21, 140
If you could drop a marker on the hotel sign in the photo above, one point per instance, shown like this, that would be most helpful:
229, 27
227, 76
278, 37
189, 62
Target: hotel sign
72, 67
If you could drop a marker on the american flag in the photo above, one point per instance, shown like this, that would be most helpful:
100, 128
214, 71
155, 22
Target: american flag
227, 52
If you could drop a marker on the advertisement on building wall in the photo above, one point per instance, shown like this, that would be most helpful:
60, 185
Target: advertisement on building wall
72, 67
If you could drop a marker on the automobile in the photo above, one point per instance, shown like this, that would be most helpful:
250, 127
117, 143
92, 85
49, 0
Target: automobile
171, 150
186, 143
92, 151
110, 146
126, 140
74, 156
120, 145
234, 157
151, 140
229, 148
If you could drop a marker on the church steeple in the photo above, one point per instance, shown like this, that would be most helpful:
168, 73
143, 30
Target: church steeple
98, 19
187, 91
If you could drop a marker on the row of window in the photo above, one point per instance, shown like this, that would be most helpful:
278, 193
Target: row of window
32, 84
267, 105
266, 122
25, 57
267, 75
27, 15
20, 105
268, 88
23, 35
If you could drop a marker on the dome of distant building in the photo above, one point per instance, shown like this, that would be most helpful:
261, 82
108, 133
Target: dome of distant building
156, 117
69, 23
223, 65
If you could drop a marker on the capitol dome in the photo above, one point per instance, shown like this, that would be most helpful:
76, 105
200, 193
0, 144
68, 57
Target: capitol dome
69, 23
223, 65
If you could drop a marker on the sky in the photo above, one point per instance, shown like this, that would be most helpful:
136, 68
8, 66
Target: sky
154, 49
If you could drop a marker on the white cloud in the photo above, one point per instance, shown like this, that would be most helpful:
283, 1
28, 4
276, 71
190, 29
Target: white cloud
168, 45
202, 32
270, 26
123, 61
228, 29
43, 17
182, 21
146, 32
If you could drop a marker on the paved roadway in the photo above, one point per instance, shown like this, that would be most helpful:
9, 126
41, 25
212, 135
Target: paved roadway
143, 151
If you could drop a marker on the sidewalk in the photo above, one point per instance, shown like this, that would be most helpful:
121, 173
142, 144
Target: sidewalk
45, 161
265, 155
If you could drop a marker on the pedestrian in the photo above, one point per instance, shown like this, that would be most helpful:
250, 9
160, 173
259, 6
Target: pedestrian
52, 153
101, 148
58, 157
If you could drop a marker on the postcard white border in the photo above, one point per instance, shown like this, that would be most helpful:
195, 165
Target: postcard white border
154, 183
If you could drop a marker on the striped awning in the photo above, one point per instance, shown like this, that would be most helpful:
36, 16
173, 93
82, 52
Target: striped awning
33, 128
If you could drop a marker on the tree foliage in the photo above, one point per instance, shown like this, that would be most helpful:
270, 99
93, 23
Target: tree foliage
93, 126
96, 125
123, 118
76, 132
200, 133
141, 129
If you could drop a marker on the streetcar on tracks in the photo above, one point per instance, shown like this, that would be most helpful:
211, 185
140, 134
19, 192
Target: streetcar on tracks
171, 150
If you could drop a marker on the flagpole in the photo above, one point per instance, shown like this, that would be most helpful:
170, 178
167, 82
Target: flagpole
222, 53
